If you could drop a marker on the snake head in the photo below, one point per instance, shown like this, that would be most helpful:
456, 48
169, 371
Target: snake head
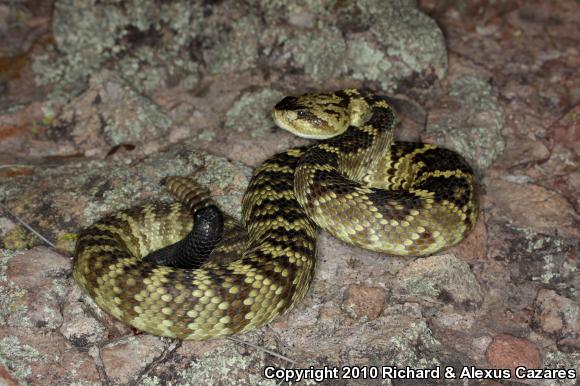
317, 116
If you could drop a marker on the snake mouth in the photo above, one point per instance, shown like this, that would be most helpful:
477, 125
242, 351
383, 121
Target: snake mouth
281, 120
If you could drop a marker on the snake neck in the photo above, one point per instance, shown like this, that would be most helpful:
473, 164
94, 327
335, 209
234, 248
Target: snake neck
372, 130
378, 130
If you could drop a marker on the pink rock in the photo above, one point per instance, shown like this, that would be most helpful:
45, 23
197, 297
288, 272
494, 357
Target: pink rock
474, 247
44, 358
125, 360
509, 352
533, 206
40, 274
364, 302
567, 129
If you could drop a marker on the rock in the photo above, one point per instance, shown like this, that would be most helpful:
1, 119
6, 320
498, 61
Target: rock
533, 257
124, 360
533, 206
319, 53
455, 321
566, 131
213, 363
6, 378
560, 360
173, 77
392, 42
509, 352
560, 172
559, 317
443, 277
75, 194
474, 247
237, 50
151, 44
469, 120
162, 46
18, 238
480, 345
364, 303
79, 327
7, 225
260, 103
37, 356
521, 151
36, 283
15, 134
109, 114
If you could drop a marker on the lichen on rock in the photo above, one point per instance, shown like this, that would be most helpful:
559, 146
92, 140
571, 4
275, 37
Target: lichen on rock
251, 112
474, 126
145, 42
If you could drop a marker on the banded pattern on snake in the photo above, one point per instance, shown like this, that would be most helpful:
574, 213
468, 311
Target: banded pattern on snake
395, 197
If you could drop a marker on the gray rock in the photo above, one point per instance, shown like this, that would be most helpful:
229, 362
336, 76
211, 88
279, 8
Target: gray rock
148, 43
251, 112
35, 284
441, 278
75, 194
469, 120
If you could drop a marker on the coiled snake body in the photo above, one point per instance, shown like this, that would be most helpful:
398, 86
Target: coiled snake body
399, 198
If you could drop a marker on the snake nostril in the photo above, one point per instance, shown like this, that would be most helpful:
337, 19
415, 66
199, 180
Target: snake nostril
288, 103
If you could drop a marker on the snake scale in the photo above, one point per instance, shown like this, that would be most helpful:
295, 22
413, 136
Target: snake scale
400, 198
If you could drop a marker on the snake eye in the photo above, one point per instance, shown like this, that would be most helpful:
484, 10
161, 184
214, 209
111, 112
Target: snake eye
302, 113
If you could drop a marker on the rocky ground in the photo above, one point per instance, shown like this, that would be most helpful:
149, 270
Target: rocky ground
100, 100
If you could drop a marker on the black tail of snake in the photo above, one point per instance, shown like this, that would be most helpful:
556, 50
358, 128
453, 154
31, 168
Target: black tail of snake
400, 198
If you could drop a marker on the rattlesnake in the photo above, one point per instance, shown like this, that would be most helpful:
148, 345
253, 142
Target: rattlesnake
400, 198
